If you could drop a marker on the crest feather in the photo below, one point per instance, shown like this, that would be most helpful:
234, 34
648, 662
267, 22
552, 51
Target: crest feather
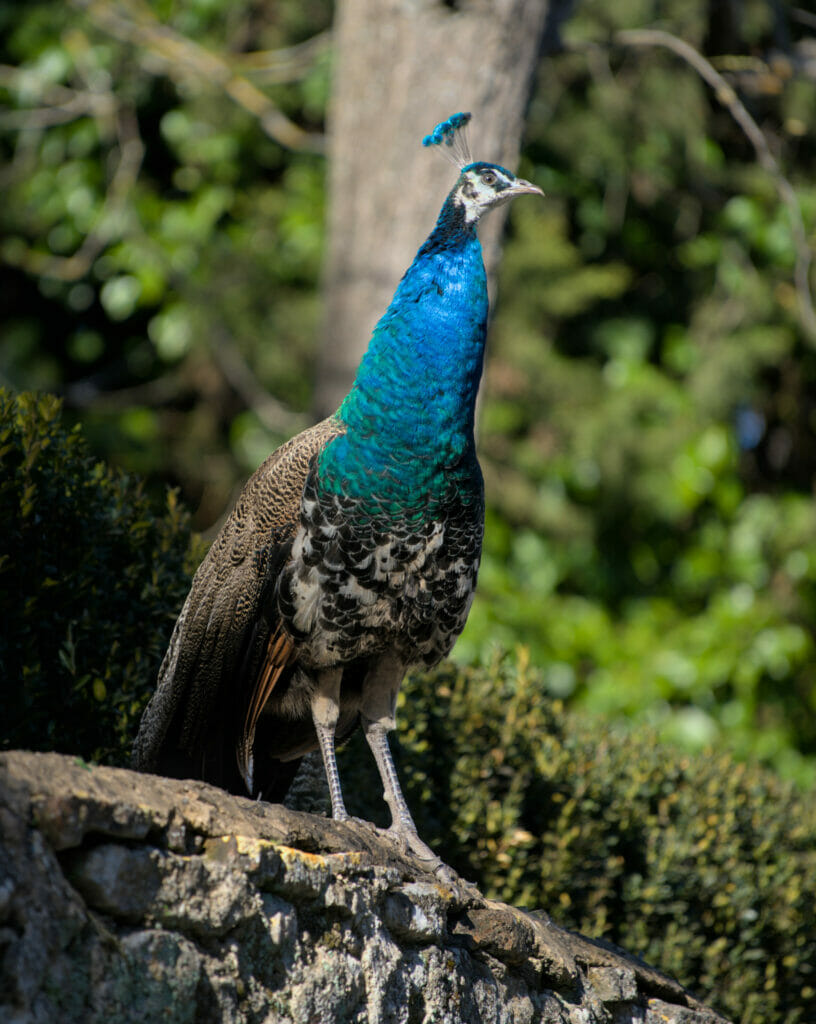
450, 139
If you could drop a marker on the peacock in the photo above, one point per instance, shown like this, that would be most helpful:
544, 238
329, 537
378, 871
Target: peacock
352, 553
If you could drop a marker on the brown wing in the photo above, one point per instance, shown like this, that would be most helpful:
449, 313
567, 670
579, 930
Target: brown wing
221, 665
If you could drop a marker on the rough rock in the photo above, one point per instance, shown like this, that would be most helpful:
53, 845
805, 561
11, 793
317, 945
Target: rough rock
132, 898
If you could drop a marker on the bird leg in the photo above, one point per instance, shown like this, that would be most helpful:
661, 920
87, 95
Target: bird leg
402, 824
377, 711
325, 712
378, 706
376, 733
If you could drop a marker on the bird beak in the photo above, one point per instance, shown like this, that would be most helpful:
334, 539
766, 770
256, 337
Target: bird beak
520, 187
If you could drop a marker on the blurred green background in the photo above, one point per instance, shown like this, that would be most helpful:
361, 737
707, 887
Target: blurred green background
646, 611
649, 406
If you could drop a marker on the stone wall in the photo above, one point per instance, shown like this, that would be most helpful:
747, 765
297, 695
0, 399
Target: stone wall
131, 898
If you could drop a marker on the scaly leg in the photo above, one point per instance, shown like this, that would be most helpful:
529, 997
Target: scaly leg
402, 824
379, 700
377, 735
325, 712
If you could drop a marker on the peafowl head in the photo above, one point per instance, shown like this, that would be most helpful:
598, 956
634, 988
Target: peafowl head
481, 186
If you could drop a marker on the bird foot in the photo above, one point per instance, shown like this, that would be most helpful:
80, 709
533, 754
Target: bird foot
408, 841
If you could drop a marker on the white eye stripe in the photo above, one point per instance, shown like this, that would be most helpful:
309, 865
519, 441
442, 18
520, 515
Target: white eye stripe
480, 190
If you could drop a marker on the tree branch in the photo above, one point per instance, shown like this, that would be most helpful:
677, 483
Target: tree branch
732, 103
289, 64
60, 104
133, 22
76, 266
274, 415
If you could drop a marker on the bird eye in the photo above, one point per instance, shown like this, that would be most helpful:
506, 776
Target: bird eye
489, 178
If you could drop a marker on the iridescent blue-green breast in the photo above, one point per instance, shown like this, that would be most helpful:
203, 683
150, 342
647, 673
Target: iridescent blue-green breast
393, 510
409, 415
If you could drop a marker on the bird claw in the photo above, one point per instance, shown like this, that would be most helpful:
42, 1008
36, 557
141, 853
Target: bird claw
408, 841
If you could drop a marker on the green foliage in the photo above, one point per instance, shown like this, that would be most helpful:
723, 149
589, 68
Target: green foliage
701, 865
90, 583
647, 435
153, 236
648, 427
647, 430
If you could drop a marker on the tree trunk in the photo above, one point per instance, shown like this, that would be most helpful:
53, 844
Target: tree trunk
400, 67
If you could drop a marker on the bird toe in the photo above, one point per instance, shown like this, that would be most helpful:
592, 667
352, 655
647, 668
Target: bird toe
408, 842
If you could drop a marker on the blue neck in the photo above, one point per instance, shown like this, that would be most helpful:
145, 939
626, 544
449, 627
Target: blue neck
409, 415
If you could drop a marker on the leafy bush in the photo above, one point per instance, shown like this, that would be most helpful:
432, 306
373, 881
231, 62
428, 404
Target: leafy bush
701, 865
632, 543
90, 583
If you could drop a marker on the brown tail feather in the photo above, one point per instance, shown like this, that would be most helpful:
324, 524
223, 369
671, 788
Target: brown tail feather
280, 653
